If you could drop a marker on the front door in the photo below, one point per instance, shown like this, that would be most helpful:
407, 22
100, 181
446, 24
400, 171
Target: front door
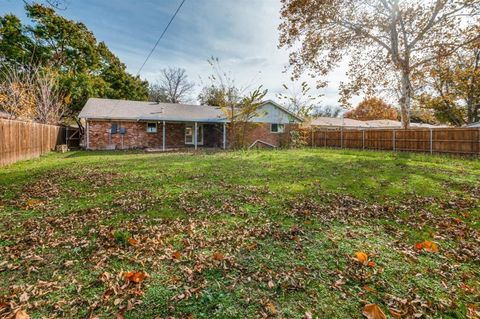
189, 129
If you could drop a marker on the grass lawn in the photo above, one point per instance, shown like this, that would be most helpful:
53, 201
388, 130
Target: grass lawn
240, 235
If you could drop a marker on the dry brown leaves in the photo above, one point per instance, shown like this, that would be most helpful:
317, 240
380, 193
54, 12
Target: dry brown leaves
373, 311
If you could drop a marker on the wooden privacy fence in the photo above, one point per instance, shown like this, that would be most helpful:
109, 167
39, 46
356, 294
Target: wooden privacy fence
24, 140
465, 141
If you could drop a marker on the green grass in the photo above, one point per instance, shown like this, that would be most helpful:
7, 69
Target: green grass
284, 227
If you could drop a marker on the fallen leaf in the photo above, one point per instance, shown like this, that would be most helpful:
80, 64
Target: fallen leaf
132, 241
177, 255
21, 314
371, 264
361, 256
218, 256
427, 246
373, 311
271, 284
395, 313
135, 276
271, 308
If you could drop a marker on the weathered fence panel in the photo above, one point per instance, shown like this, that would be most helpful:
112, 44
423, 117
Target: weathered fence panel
464, 141
24, 140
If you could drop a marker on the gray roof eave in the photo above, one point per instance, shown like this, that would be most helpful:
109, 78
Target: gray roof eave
173, 119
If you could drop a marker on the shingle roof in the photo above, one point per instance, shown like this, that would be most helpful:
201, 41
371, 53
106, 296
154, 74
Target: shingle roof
383, 123
337, 122
96, 108
350, 123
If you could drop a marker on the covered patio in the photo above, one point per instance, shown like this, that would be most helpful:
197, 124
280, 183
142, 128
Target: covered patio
195, 135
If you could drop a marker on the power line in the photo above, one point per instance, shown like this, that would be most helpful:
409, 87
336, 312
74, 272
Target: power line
161, 36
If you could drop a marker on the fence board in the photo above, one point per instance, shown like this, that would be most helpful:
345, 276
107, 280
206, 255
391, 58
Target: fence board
437, 140
25, 140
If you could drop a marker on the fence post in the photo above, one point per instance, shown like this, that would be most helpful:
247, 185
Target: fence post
393, 140
313, 138
363, 139
431, 141
325, 138
341, 138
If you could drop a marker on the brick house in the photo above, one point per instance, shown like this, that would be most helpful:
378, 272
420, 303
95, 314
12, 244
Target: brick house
120, 124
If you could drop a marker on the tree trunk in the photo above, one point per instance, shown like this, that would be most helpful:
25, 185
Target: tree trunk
405, 98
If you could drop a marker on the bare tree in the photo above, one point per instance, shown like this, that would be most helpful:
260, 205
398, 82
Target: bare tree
17, 96
172, 86
157, 94
49, 101
32, 93
388, 40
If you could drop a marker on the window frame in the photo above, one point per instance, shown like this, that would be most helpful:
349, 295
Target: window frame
117, 127
278, 125
200, 132
156, 127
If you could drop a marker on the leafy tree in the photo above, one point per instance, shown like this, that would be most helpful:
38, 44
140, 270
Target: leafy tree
15, 46
216, 96
299, 100
83, 66
172, 86
389, 41
453, 87
373, 108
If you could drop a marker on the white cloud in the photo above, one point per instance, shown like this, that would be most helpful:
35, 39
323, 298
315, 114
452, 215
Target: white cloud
242, 33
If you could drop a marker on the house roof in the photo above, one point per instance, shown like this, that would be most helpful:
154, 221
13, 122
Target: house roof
383, 123
477, 124
350, 123
337, 122
96, 108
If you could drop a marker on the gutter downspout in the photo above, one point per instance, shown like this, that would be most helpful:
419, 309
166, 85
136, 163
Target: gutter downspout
88, 134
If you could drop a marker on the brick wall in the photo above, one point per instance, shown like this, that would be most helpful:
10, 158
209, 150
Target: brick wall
262, 131
137, 136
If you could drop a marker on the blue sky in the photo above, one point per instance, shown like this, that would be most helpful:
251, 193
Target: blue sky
242, 33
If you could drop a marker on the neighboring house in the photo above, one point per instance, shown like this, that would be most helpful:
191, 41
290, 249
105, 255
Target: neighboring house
338, 123
477, 124
120, 124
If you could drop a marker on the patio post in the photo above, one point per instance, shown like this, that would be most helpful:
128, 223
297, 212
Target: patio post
163, 136
224, 136
195, 135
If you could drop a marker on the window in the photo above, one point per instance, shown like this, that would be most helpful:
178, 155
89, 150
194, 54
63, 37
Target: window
151, 127
114, 128
189, 134
277, 128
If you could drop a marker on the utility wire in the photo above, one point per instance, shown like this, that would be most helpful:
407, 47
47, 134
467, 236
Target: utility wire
161, 36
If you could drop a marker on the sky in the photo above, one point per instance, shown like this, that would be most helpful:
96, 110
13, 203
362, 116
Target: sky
243, 34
